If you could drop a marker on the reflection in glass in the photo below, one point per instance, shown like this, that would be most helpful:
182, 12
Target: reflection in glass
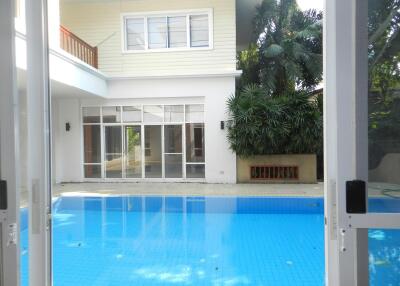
195, 113
135, 34
199, 31
91, 114
173, 138
92, 171
177, 32
111, 114
195, 171
384, 105
152, 145
173, 165
113, 151
195, 142
152, 113
173, 113
157, 32
133, 152
131, 114
92, 145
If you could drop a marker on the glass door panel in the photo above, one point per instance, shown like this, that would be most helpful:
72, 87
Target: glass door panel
153, 151
173, 151
133, 152
113, 151
384, 106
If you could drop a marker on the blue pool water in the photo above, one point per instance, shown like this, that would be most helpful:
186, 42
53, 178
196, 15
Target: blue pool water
106, 241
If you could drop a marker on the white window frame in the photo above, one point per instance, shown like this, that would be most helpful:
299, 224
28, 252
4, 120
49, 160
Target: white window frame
142, 124
187, 13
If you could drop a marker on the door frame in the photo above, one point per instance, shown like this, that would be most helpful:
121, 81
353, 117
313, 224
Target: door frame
346, 141
9, 148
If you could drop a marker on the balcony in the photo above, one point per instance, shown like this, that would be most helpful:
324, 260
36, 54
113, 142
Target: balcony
77, 47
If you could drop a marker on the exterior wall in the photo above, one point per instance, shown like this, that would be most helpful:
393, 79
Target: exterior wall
220, 162
307, 164
99, 24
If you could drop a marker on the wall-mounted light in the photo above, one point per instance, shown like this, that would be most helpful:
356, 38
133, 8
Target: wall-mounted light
222, 125
67, 126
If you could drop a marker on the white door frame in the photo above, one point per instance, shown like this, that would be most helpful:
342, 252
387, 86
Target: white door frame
346, 141
9, 148
39, 152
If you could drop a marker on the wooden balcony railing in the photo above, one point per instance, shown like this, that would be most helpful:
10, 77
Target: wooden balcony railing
77, 47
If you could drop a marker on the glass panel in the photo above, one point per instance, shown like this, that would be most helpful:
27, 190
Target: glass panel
199, 34
157, 29
384, 257
152, 145
91, 114
195, 142
132, 114
195, 171
173, 165
112, 114
153, 113
133, 151
195, 113
135, 34
92, 171
177, 32
384, 106
173, 139
173, 113
92, 143
113, 151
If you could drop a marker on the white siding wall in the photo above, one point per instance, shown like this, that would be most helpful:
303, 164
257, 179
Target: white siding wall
213, 92
96, 22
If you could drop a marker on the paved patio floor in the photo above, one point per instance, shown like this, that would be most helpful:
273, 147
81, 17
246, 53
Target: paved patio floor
189, 189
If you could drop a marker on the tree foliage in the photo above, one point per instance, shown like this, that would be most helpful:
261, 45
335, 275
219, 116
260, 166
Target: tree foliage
287, 124
287, 51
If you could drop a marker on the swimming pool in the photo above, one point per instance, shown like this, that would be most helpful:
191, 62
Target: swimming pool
149, 240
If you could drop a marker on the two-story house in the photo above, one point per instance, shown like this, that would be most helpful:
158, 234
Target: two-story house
139, 88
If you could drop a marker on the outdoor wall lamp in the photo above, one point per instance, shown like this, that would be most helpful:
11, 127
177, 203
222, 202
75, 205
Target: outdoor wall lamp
67, 126
222, 125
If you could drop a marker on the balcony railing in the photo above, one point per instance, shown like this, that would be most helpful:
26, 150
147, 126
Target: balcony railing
77, 47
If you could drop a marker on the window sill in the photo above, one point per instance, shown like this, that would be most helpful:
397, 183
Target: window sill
172, 50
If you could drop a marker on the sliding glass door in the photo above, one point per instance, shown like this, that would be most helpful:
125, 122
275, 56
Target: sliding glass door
173, 151
153, 151
133, 151
113, 151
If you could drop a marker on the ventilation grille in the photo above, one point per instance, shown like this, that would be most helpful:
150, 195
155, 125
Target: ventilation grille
274, 172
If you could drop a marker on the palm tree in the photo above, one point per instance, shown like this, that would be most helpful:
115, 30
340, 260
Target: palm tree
289, 46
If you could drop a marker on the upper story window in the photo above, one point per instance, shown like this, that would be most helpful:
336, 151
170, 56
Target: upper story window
169, 31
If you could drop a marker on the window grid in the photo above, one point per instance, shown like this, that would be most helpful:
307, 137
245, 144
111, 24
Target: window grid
189, 43
142, 124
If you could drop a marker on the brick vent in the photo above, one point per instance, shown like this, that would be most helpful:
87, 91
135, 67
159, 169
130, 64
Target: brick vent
274, 172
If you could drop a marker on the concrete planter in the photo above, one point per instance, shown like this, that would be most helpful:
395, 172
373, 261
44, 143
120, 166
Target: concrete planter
296, 168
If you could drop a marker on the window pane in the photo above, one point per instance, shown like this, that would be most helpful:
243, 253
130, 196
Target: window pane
92, 171
91, 142
91, 114
157, 30
173, 139
173, 166
135, 34
152, 143
153, 113
195, 171
195, 142
199, 34
177, 32
113, 150
195, 113
112, 114
133, 151
132, 114
173, 113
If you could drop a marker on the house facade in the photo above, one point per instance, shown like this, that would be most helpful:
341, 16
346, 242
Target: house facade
139, 89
